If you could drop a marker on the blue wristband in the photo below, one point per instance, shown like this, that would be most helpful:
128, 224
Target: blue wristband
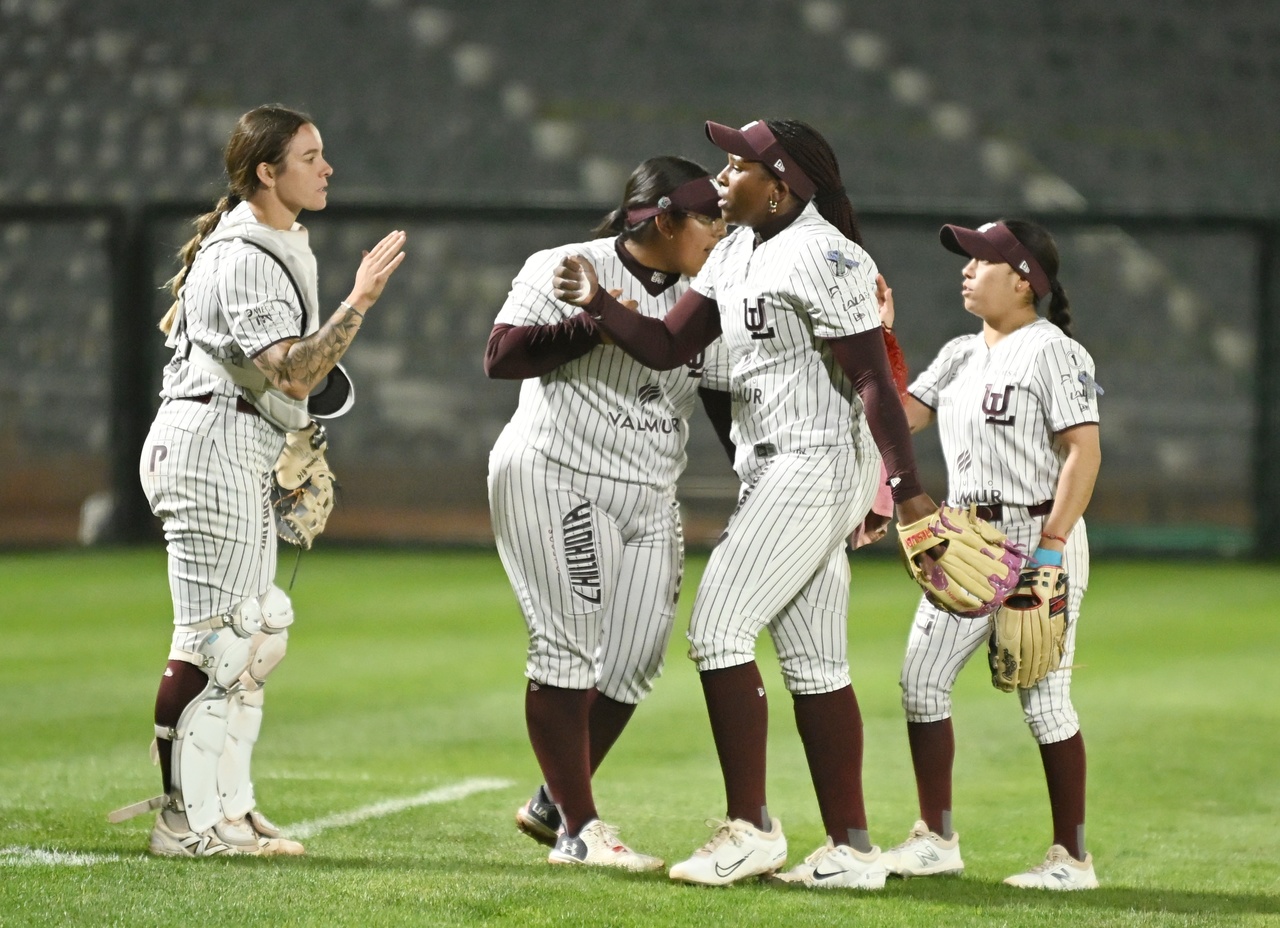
1046, 558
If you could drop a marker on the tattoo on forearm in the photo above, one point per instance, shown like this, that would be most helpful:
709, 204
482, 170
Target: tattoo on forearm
309, 360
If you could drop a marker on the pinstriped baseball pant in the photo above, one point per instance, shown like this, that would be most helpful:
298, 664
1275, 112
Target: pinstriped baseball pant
596, 565
782, 566
205, 469
940, 644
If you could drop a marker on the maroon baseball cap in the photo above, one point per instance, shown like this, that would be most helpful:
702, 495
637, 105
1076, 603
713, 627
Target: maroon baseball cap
994, 242
756, 142
693, 196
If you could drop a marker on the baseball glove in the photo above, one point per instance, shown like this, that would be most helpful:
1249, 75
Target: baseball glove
303, 494
1029, 631
964, 564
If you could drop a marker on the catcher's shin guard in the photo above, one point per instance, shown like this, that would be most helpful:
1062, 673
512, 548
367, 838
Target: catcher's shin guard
201, 733
198, 742
244, 722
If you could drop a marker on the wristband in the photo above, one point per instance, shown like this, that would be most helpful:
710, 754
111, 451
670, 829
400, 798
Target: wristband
1053, 537
343, 304
1046, 558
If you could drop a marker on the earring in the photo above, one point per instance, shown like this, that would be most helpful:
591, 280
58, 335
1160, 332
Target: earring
773, 205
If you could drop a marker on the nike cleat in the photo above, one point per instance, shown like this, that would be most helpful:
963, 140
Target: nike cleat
838, 866
737, 850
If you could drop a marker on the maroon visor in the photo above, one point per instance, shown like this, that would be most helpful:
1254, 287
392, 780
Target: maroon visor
693, 196
994, 242
755, 142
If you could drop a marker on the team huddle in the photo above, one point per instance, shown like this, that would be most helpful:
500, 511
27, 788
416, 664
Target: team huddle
751, 292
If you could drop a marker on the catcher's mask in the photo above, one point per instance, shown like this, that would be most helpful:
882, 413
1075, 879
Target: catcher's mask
333, 397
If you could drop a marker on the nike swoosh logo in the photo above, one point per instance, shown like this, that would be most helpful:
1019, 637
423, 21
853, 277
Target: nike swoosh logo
819, 875
725, 871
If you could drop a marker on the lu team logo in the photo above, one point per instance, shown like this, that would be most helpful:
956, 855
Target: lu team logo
995, 405
753, 318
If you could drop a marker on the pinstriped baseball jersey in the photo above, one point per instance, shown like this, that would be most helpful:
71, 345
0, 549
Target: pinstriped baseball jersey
779, 301
238, 301
603, 413
998, 408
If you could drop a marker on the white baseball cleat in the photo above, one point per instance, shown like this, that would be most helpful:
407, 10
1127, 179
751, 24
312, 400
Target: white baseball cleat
256, 828
1059, 871
838, 866
737, 850
925, 853
597, 845
182, 842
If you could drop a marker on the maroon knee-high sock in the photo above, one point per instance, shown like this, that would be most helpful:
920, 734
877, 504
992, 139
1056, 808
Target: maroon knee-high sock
830, 726
557, 723
605, 723
181, 683
1064, 772
739, 714
933, 753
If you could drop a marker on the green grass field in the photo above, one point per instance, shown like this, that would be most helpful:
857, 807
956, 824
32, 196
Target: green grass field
394, 738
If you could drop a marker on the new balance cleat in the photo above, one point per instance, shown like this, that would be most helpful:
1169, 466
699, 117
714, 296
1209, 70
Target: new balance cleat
597, 845
838, 866
179, 841
1059, 871
737, 850
539, 818
925, 853
256, 828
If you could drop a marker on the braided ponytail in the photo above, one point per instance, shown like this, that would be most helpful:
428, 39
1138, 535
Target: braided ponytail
815, 157
1059, 307
261, 135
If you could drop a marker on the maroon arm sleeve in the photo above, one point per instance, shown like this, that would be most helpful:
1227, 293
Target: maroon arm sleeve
517, 352
865, 361
692, 324
719, 408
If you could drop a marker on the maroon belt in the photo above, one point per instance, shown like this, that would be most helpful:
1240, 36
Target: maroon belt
995, 511
242, 404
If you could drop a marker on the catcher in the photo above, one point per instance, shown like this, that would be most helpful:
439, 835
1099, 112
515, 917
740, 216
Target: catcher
1017, 409
250, 350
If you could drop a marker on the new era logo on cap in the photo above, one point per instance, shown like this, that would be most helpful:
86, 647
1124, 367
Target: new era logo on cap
1024, 267
779, 166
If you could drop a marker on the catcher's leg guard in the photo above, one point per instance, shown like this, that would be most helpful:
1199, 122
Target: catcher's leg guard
197, 744
201, 732
244, 720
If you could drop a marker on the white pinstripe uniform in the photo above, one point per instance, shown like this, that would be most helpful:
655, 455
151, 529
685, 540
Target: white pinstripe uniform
998, 409
582, 491
805, 456
205, 467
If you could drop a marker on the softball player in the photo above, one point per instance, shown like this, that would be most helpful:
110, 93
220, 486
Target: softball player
1018, 412
582, 494
246, 307
794, 296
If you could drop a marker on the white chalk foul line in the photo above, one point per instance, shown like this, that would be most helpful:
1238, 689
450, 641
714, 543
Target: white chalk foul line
392, 806
35, 856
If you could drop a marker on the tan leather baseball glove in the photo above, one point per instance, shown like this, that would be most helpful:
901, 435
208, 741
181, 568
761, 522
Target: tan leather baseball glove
303, 492
1029, 630
964, 564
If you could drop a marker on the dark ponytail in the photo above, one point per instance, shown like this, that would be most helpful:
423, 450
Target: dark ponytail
1044, 249
261, 135
815, 157
652, 180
